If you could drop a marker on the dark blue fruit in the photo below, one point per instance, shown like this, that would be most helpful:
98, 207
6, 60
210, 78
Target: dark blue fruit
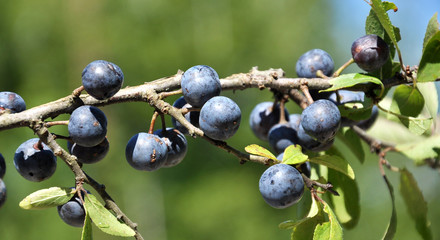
281, 186
2, 192
87, 126
220, 118
34, 160
312, 61
73, 212
146, 152
176, 143
370, 52
345, 96
321, 120
2, 166
12, 102
102, 79
367, 123
199, 84
281, 136
263, 117
89, 155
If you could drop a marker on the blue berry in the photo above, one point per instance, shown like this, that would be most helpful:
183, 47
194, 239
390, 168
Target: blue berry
176, 143
312, 61
281, 136
199, 84
321, 120
12, 102
2, 192
220, 118
192, 117
370, 52
34, 160
87, 126
307, 142
89, 155
2, 166
102, 79
281, 186
263, 117
146, 152
72, 212
345, 96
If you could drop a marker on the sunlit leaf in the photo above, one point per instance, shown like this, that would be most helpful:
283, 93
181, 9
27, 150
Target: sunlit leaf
260, 151
315, 209
293, 155
415, 203
346, 205
322, 232
418, 151
306, 228
431, 29
46, 198
335, 229
352, 79
407, 101
87, 228
336, 163
104, 219
391, 229
429, 66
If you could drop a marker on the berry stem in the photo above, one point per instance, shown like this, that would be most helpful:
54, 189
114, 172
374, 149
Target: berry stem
343, 67
305, 89
164, 95
153, 121
77, 91
299, 98
55, 123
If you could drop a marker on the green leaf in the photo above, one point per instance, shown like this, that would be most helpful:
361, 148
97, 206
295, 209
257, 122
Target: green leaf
381, 13
415, 203
46, 198
429, 66
346, 205
408, 101
396, 132
104, 219
336, 163
87, 228
417, 126
421, 150
322, 232
260, 151
391, 229
314, 210
335, 228
352, 79
304, 228
293, 155
429, 92
353, 142
431, 30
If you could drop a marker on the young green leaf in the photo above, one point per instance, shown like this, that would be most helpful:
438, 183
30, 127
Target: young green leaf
293, 155
346, 205
407, 101
335, 230
432, 28
260, 151
336, 163
322, 232
353, 142
104, 219
351, 79
391, 229
415, 203
417, 126
429, 66
87, 229
304, 228
418, 151
46, 198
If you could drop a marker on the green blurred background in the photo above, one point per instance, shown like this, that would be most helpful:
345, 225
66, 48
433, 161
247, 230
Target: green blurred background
44, 46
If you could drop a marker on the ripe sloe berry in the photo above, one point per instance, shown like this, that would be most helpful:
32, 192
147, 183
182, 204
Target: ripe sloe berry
281, 136
312, 61
11, 101
87, 126
2, 166
321, 120
370, 52
2, 192
176, 143
263, 117
146, 152
102, 79
281, 186
73, 212
220, 118
89, 155
199, 84
34, 160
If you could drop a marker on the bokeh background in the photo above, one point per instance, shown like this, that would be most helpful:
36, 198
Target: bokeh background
44, 46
